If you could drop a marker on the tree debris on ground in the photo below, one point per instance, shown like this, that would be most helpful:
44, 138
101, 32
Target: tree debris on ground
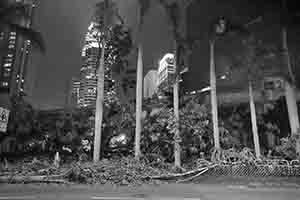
118, 171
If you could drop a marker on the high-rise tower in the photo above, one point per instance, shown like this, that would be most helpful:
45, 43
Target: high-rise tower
14, 53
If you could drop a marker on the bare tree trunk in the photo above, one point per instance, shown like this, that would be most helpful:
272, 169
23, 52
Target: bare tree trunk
139, 96
254, 122
99, 107
213, 96
177, 138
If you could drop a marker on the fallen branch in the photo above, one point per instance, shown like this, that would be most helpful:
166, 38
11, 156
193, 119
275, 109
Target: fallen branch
192, 177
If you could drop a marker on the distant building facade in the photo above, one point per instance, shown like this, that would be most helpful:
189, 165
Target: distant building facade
88, 78
150, 83
88, 72
75, 92
166, 72
15, 55
7, 59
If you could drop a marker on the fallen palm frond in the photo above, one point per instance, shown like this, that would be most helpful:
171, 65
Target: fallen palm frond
14, 178
185, 176
192, 177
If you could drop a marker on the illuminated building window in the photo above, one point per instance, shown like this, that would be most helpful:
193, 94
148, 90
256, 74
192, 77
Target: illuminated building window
10, 55
5, 84
7, 65
11, 46
89, 76
13, 33
92, 91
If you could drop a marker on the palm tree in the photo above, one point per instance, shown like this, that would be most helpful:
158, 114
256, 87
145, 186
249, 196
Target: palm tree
176, 12
290, 85
142, 8
223, 27
253, 69
105, 15
110, 50
219, 29
213, 95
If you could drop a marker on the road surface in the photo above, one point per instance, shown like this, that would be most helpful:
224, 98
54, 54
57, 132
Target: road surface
151, 192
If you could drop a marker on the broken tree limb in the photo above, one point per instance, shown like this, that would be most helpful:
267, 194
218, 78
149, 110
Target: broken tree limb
192, 177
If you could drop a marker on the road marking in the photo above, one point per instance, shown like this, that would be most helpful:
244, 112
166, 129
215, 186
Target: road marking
117, 198
135, 198
18, 197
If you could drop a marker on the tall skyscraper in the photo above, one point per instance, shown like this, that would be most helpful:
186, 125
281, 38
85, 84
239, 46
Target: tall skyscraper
166, 72
88, 71
8, 41
14, 53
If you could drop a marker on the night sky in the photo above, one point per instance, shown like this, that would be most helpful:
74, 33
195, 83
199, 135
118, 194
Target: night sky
63, 24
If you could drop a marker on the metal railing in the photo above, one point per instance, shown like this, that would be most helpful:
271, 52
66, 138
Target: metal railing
265, 168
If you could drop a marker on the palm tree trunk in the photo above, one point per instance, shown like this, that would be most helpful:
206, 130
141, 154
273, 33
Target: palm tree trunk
177, 138
290, 92
99, 107
290, 88
213, 94
139, 96
139, 88
254, 122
